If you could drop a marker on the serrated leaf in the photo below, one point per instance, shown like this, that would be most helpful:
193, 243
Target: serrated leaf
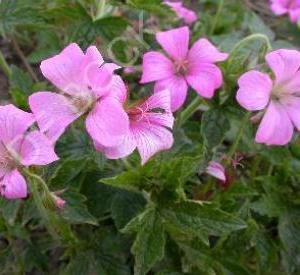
125, 206
197, 219
9, 210
75, 211
148, 247
214, 126
289, 233
152, 6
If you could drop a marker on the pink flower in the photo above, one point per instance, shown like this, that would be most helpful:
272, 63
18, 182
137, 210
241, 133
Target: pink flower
20, 148
86, 86
216, 170
290, 7
59, 202
150, 122
183, 67
188, 16
279, 97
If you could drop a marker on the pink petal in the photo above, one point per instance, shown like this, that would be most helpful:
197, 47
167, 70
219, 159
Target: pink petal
93, 55
53, 113
117, 89
276, 127
216, 170
292, 106
4, 167
151, 139
284, 64
177, 87
37, 149
189, 16
205, 52
205, 79
13, 123
294, 15
111, 66
175, 42
126, 147
160, 101
156, 67
64, 69
279, 7
13, 186
96, 80
107, 123
254, 90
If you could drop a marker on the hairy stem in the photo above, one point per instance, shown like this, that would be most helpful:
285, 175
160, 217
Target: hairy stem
239, 136
189, 111
255, 36
217, 16
36, 182
4, 66
100, 8
55, 225
23, 59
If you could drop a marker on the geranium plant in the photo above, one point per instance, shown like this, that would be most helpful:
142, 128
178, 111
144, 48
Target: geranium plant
149, 137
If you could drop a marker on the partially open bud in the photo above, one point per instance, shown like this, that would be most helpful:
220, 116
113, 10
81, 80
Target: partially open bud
59, 202
216, 170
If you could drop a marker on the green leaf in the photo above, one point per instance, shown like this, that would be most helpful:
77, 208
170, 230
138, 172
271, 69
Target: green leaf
65, 173
129, 180
193, 218
214, 126
289, 233
20, 13
149, 245
152, 6
257, 25
125, 206
75, 210
9, 210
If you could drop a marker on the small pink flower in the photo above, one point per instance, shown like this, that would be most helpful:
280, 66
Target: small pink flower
290, 7
279, 97
129, 70
216, 170
20, 148
87, 86
188, 16
150, 122
183, 67
59, 202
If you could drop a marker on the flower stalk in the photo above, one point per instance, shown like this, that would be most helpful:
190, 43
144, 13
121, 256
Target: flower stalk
53, 223
239, 136
4, 66
189, 111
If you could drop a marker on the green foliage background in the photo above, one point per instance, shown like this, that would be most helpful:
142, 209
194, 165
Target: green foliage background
168, 217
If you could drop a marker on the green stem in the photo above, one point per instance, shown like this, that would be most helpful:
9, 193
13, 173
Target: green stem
255, 36
100, 8
4, 66
35, 182
54, 224
23, 59
239, 136
216, 18
189, 111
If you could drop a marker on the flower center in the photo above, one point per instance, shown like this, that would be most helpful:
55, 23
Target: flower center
278, 92
181, 67
9, 159
135, 113
83, 103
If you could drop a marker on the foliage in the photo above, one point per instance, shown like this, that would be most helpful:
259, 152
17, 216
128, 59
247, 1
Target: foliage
166, 217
